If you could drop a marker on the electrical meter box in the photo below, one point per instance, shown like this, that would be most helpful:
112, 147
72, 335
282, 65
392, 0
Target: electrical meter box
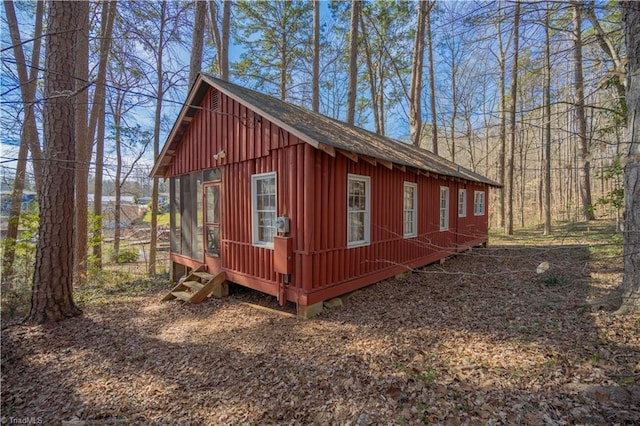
283, 255
282, 225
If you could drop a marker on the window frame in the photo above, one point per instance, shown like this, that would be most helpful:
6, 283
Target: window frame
413, 211
254, 212
444, 210
367, 212
482, 203
462, 202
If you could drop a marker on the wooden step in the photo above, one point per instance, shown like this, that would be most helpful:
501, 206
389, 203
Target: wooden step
209, 288
182, 295
204, 275
193, 285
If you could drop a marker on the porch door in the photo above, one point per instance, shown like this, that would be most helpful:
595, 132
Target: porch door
212, 223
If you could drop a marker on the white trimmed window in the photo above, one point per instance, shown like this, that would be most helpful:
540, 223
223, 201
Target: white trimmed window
462, 203
478, 203
358, 210
410, 210
444, 208
264, 202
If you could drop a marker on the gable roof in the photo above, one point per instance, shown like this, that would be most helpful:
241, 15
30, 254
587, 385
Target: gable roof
316, 129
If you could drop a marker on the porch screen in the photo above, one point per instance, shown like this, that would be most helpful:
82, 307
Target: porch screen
187, 216
174, 193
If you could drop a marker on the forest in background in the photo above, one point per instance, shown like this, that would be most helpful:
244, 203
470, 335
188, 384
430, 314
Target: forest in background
530, 94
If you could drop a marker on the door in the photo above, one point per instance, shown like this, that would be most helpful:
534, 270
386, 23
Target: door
212, 224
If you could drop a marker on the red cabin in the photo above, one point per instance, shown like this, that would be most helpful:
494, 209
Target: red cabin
303, 207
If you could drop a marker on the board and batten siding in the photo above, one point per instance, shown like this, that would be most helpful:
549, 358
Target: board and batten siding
312, 192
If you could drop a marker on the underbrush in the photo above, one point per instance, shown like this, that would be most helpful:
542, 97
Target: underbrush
112, 285
101, 288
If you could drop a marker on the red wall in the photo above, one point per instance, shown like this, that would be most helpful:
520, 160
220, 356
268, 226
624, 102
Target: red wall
312, 192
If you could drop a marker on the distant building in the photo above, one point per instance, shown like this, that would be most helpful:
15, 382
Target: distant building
29, 200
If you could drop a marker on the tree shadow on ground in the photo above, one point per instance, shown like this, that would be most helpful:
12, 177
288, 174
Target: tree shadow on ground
479, 339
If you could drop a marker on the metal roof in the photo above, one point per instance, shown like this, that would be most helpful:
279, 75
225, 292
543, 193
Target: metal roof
316, 129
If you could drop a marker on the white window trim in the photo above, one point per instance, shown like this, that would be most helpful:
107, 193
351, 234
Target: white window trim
254, 213
414, 231
476, 211
367, 212
446, 209
462, 206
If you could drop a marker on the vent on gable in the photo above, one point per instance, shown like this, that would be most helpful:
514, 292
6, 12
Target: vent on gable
215, 95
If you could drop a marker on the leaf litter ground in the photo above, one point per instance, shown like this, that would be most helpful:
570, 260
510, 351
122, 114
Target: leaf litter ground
480, 339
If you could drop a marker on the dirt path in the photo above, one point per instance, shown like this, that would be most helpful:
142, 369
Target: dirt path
480, 339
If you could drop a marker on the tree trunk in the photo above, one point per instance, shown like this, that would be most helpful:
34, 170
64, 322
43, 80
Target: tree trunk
454, 106
52, 297
547, 126
503, 125
197, 41
97, 191
97, 119
156, 141
373, 87
9, 244
415, 100
315, 80
117, 182
29, 134
224, 53
512, 124
83, 144
284, 75
631, 246
432, 83
28, 85
585, 155
353, 62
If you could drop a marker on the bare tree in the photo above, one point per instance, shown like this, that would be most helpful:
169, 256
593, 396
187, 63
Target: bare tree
432, 82
631, 251
29, 134
197, 41
226, 31
415, 104
585, 155
512, 124
315, 80
375, 91
52, 297
546, 101
97, 119
503, 48
353, 61
84, 144
220, 34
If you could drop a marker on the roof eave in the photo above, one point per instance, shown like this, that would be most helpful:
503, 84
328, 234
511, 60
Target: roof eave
161, 164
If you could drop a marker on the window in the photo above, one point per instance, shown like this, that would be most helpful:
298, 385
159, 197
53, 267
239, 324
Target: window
462, 203
264, 201
212, 175
358, 210
444, 208
410, 210
478, 203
